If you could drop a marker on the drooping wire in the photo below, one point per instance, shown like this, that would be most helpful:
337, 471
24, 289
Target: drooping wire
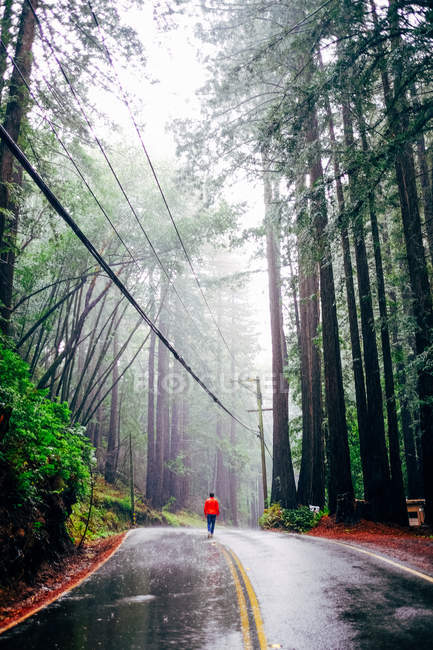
103, 152
155, 175
69, 156
58, 207
97, 140
101, 148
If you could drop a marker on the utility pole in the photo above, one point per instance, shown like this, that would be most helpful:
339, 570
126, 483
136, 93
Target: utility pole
262, 440
261, 435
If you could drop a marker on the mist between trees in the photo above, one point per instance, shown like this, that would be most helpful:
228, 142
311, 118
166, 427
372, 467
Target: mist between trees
327, 108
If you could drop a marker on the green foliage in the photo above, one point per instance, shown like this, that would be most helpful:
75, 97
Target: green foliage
41, 451
111, 512
299, 520
169, 506
183, 518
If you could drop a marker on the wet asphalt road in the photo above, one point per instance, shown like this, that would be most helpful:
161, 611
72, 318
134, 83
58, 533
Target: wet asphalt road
168, 588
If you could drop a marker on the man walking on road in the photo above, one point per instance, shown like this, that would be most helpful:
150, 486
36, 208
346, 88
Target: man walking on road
211, 511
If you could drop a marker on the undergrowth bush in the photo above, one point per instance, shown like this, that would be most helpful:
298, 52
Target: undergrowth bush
300, 520
40, 451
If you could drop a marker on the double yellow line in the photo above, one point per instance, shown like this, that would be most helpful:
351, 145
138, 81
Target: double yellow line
245, 594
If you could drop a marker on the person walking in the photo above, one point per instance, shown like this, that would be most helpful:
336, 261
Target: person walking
211, 511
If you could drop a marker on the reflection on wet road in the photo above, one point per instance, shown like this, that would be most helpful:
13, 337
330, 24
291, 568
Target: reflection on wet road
168, 588
162, 589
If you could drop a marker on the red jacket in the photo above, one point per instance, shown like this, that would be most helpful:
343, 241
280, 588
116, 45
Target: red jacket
211, 507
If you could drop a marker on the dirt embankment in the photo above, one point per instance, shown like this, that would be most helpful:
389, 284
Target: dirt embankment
20, 600
411, 546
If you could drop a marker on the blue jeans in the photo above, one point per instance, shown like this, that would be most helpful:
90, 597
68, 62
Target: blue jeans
211, 523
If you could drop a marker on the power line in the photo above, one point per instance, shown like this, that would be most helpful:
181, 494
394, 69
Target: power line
68, 154
101, 148
58, 207
155, 176
103, 152
84, 114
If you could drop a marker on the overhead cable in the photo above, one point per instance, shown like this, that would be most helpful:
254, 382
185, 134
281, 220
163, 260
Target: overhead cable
101, 148
155, 176
65, 149
103, 152
58, 207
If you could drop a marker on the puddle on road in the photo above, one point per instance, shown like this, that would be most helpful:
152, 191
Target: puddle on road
162, 589
135, 599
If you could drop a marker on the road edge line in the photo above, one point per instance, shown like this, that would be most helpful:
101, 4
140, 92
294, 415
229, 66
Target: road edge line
403, 567
73, 585
414, 572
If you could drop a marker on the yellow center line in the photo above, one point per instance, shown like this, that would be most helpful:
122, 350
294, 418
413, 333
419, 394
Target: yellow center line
254, 603
414, 572
241, 600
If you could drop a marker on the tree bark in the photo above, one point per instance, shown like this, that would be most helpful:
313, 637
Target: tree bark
161, 412
377, 485
398, 508
110, 464
151, 473
340, 480
10, 175
283, 479
396, 105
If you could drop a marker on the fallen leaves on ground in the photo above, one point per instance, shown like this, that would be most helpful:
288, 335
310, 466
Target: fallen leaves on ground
413, 547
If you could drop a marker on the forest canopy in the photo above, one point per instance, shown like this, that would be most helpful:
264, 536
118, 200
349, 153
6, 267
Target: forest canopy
324, 112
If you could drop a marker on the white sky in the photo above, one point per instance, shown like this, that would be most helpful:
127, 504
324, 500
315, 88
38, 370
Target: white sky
167, 91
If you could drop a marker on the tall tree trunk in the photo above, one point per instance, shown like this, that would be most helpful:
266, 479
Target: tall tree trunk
110, 463
175, 450
167, 456
310, 471
340, 488
377, 485
397, 114
355, 343
161, 410
283, 479
186, 448
426, 185
414, 478
151, 469
10, 175
6, 36
398, 508
233, 497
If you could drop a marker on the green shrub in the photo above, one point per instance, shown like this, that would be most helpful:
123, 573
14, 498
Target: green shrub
299, 520
272, 517
41, 452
